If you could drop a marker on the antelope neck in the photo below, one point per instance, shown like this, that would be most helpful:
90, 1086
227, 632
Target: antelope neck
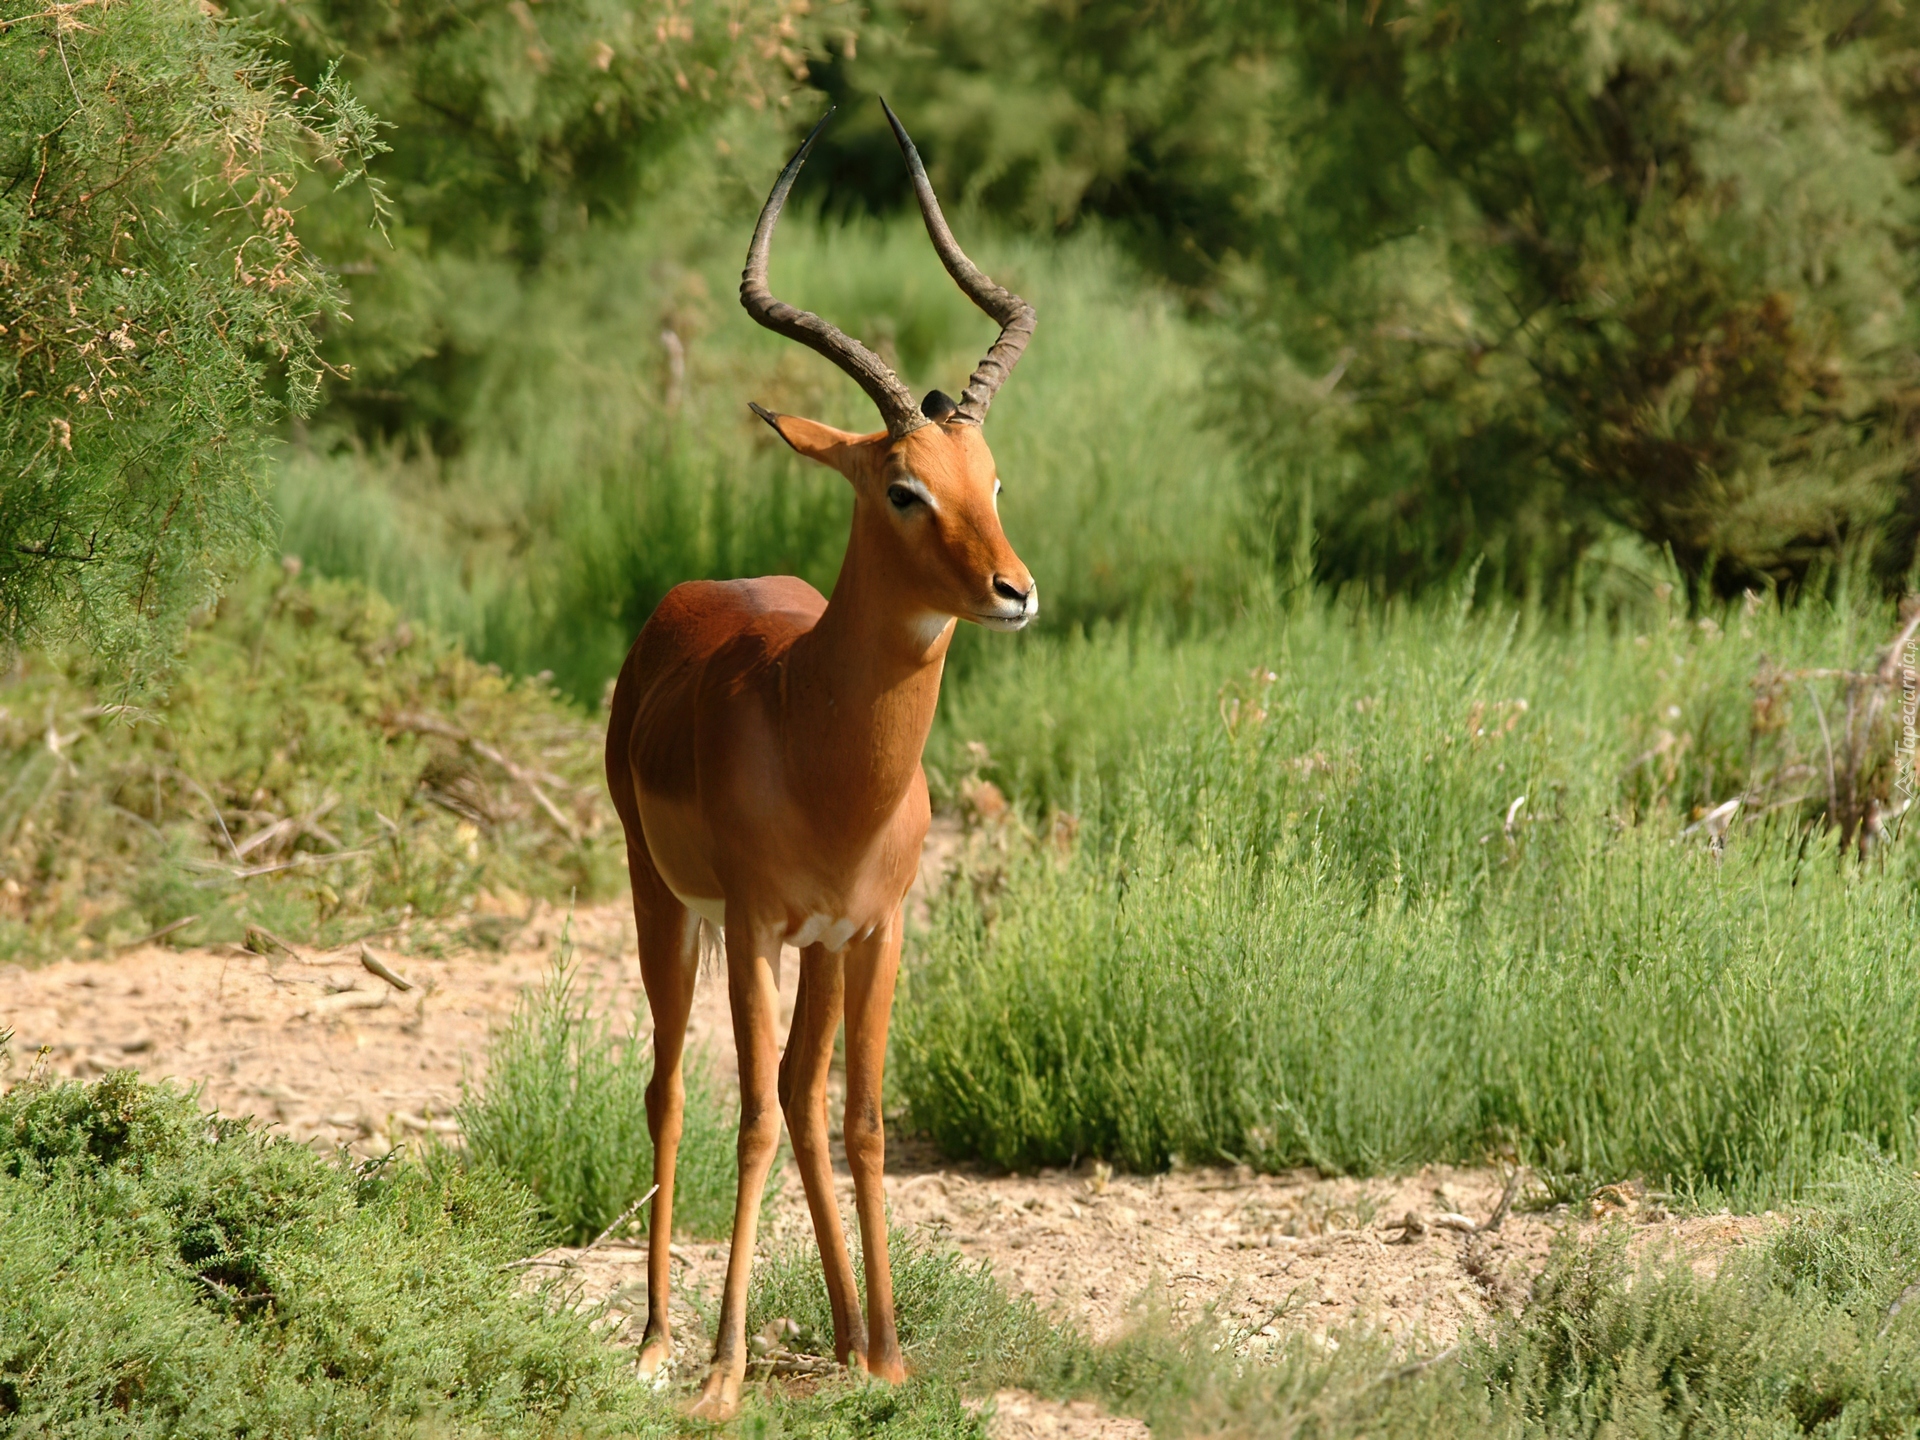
862, 686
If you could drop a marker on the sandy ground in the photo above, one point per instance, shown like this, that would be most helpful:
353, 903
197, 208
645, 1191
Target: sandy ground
317, 1046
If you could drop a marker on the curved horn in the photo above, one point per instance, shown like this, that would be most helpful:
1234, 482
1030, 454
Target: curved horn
1013, 313
868, 370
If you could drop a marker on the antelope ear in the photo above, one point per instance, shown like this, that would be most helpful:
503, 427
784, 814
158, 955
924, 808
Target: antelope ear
831, 447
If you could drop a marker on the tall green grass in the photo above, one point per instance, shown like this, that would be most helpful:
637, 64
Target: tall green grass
1308, 919
594, 475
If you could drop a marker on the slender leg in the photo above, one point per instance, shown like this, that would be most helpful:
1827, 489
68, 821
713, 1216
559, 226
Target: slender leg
669, 964
803, 1096
752, 951
872, 966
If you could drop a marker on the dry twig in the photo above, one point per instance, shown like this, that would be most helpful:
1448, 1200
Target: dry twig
376, 966
417, 723
160, 934
570, 1262
1900, 1302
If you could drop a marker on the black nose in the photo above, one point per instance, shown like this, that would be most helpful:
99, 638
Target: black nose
1008, 591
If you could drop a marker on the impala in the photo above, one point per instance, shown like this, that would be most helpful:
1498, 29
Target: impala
764, 756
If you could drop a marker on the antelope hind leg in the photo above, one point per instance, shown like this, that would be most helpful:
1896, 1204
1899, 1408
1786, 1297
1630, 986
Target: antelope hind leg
754, 1000
669, 963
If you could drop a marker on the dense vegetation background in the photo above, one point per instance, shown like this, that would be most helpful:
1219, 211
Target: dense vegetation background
1581, 290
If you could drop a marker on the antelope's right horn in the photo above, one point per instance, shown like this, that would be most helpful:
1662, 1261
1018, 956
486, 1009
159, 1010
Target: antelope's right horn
868, 370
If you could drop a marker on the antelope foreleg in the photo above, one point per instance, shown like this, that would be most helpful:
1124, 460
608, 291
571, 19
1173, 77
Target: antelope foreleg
803, 1096
872, 966
668, 965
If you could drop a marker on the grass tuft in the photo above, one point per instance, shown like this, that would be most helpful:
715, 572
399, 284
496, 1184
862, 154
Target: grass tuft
563, 1112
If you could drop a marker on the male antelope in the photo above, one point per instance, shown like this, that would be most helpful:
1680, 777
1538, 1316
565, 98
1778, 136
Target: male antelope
764, 755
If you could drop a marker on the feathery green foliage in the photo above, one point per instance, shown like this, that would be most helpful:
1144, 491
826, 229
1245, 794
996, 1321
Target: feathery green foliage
157, 308
516, 131
1611, 268
1507, 278
1417, 886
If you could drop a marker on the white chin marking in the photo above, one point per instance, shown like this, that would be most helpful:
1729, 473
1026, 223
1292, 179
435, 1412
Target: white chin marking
929, 628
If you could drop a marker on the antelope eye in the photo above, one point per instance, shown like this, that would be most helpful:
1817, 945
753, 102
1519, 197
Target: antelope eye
901, 497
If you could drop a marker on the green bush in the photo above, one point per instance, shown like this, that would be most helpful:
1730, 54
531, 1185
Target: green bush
1601, 1346
1309, 919
514, 132
563, 1111
1505, 278
170, 1273
313, 708
156, 308
1614, 269
956, 1320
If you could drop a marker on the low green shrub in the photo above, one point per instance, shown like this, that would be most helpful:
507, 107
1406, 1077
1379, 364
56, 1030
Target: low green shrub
956, 1320
1795, 1336
165, 1272
563, 1111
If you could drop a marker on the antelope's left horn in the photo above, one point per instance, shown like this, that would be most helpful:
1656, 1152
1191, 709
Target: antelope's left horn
868, 370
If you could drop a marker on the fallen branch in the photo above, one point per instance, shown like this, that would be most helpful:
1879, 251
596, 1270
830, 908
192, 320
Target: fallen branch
375, 966
262, 941
1473, 1255
1408, 1371
619, 1220
160, 934
291, 828
218, 818
789, 1362
1900, 1303
1500, 1211
344, 1001
298, 862
571, 1262
417, 723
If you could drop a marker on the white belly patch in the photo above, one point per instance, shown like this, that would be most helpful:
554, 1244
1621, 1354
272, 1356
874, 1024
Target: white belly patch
822, 930
828, 930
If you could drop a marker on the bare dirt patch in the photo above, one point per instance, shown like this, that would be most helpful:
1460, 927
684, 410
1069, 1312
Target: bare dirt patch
324, 1050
